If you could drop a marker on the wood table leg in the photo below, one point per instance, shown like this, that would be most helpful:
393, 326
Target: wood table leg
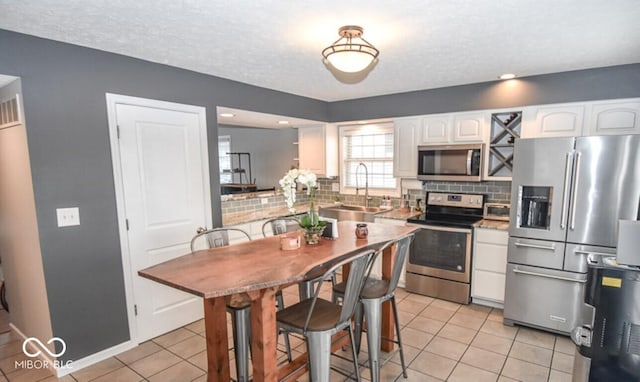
387, 312
264, 337
215, 322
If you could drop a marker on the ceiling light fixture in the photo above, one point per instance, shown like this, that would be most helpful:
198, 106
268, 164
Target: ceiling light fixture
283, 122
227, 115
507, 76
350, 53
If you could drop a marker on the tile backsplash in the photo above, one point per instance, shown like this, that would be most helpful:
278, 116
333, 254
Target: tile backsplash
495, 192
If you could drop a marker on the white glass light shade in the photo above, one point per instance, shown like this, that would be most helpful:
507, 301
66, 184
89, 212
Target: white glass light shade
350, 53
350, 61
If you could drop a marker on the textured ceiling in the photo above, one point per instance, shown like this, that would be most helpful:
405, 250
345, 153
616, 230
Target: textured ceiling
276, 44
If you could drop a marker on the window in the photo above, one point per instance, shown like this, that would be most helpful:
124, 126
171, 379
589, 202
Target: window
224, 159
371, 145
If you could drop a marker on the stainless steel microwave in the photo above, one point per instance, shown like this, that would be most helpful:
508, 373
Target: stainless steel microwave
450, 162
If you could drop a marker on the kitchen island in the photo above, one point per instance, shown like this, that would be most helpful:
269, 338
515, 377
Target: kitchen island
259, 268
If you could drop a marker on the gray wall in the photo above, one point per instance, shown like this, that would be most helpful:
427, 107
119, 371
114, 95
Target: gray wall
64, 96
272, 151
64, 90
582, 85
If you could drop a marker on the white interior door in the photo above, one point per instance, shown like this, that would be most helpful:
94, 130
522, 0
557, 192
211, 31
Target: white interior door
165, 190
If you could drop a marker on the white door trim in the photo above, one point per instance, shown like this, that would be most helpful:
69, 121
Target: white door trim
112, 101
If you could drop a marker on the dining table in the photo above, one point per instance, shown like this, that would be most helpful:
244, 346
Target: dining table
258, 269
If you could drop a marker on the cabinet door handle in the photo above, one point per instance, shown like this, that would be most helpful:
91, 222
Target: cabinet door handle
537, 246
549, 276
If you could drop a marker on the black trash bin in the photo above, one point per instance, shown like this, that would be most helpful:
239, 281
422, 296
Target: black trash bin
609, 350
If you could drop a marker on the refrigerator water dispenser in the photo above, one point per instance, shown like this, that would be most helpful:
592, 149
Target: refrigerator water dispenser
534, 207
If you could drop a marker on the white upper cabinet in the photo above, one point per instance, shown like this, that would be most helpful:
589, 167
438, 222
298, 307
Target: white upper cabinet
452, 128
561, 120
318, 149
614, 117
405, 147
435, 129
468, 127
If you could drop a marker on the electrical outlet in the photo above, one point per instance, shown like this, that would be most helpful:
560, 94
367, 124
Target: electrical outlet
335, 187
264, 201
68, 216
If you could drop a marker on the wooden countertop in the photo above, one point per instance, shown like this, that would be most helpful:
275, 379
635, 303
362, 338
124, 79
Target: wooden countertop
261, 264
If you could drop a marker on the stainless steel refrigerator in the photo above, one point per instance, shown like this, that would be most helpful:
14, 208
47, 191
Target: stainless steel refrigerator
567, 197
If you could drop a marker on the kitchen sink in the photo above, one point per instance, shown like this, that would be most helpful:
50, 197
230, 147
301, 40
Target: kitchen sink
357, 213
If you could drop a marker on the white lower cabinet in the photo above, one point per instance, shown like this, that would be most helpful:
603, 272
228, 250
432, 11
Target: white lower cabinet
489, 266
376, 271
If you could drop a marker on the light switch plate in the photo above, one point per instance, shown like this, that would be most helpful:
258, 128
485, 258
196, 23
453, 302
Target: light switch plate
264, 201
68, 216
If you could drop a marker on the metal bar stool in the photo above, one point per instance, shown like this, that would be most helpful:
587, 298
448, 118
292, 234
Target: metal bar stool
238, 305
279, 226
373, 294
318, 319
282, 225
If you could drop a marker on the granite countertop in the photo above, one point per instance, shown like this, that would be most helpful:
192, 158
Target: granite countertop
268, 213
493, 224
399, 214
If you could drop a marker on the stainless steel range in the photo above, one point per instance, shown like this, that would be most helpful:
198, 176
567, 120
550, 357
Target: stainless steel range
439, 262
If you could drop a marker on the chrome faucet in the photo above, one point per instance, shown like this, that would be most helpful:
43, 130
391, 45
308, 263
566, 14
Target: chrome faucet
367, 199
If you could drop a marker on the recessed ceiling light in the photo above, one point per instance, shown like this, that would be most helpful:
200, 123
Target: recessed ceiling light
283, 122
362, 122
507, 76
227, 115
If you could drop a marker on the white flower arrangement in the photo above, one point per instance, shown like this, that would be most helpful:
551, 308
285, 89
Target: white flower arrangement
288, 184
307, 178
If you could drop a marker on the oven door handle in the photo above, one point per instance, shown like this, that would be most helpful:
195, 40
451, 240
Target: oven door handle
441, 228
549, 276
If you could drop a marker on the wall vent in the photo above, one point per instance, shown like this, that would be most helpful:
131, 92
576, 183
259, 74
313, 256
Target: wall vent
10, 113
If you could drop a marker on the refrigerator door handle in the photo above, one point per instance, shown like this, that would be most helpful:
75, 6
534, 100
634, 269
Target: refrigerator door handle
549, 276
574, 193
565, 192
588, 253
469, 158
552, 247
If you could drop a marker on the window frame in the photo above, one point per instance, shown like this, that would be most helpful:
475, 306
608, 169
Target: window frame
382, 128
220, 155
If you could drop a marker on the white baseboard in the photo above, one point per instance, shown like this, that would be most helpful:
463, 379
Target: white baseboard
94, 358
76, 365
48, 361
493, 304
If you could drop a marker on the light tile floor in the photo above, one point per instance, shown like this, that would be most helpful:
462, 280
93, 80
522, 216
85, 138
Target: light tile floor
442, 341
